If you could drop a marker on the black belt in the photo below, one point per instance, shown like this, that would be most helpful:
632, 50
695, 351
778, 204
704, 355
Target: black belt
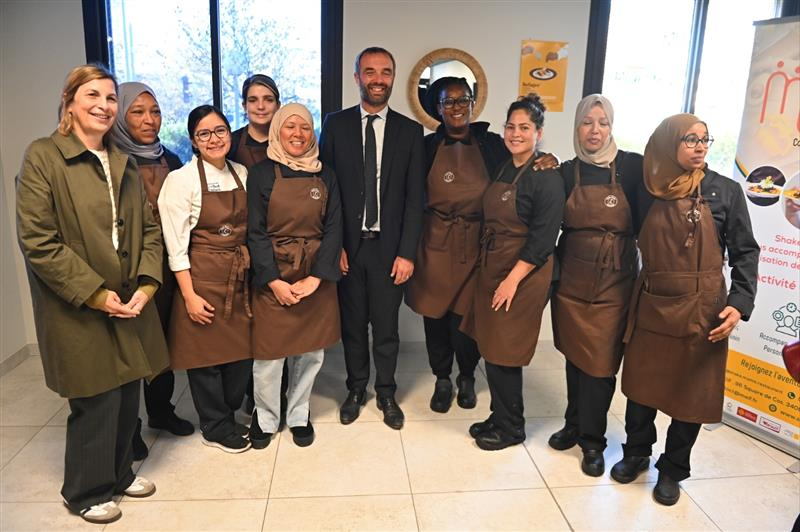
370, 235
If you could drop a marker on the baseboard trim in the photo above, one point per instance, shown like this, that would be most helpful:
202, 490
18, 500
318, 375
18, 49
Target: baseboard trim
18, 358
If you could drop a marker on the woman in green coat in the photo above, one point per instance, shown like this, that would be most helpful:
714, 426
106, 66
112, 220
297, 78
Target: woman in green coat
93, 253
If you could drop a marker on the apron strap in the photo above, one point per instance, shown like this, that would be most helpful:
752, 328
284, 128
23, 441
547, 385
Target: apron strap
239, 272
202, 171
613, 169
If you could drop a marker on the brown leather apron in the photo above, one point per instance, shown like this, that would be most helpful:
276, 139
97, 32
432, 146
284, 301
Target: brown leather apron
448, 251
153, 176
248, 155
669, 362
295, 221
219, 262
506, 338
598, 261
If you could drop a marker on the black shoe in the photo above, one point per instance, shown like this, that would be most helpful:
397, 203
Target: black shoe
392, 415
232, 443
140, 451
258, 438
442, 396
481, 426
496, 438
171, 423
303, 436
593, 463
242, 430
351, 408
466, 392
564, 439
667, 491
629, 468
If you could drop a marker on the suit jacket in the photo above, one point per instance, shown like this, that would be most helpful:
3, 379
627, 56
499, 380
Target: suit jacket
402, 180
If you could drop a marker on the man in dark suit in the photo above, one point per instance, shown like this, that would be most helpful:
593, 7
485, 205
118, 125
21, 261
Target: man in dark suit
379, 159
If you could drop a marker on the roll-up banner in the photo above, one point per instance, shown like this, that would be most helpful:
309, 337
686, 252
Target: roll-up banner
761, 397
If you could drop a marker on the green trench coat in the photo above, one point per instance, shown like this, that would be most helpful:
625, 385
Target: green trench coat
64, 222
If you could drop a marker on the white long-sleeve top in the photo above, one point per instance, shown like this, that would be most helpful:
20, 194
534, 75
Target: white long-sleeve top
179, 204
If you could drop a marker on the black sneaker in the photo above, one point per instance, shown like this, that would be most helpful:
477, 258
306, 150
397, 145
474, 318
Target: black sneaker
258, 438
564, 439
629, 468
466, 392
232, 443
667, 490
140, 451
171, 423
303, 436
481, 426
442, 396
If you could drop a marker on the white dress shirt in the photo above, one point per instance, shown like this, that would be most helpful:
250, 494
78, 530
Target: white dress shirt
103, 156
180, 201
379, 125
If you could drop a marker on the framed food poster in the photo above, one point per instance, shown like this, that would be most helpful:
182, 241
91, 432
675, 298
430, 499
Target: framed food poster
543, 70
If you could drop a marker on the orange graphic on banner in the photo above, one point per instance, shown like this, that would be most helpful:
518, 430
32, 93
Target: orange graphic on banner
763, 386
543, 70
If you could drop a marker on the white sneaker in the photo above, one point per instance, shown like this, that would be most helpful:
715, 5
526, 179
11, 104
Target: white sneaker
105, 512
140, 487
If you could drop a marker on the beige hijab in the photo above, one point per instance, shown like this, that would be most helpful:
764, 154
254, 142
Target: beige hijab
663, 176
309, 160
607, 153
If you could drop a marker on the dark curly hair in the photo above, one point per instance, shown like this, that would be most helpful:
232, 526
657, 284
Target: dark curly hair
531, 104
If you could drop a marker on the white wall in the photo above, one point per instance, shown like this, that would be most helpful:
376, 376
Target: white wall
40, 41
491, 32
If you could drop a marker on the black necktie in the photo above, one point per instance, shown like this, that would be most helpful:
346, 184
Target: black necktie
370, 173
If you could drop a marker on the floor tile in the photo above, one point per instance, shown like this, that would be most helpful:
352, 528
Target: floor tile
414, 392
368, 513
146, 514
328, 394
44, 516
770, 502
24, 398
629, 507
185, 469
544, 393
546, 357
36, 473
726, 452
12, 440
563, 468
511, 510
358, 459
784, 459
442, 457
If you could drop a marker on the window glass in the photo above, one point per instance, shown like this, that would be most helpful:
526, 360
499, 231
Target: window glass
724, 68
273, 37
165, 44
648, 48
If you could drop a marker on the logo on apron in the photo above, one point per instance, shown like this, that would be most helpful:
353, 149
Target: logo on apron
315, 193
693, 215
505, 196
610, 201
449, 177
225, 230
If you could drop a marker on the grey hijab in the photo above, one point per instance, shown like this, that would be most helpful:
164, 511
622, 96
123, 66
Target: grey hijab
126, 94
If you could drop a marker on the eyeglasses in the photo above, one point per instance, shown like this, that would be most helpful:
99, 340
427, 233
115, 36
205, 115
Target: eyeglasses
204, 135
449, 103
693, 140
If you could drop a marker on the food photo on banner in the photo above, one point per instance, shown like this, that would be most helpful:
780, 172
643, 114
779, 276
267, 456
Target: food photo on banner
760, 395
543, 70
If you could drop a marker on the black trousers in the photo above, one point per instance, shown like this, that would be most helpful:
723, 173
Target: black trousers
588, 401
641, 431
98, 455
158, 395
445, 342
505, 387
368, 295
217, 392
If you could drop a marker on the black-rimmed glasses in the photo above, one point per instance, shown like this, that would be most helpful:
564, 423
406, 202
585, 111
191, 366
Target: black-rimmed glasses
693, 140
204, 135
449, 103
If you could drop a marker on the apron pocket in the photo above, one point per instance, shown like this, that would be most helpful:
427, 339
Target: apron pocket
578, 278
676, 316
436, 233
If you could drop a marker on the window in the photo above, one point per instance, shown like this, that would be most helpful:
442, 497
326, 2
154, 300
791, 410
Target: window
650, 74
168, 45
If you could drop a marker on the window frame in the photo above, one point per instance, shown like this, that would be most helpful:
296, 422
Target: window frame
96, 23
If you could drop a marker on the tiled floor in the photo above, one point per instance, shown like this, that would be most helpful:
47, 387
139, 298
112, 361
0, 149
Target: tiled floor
365, 476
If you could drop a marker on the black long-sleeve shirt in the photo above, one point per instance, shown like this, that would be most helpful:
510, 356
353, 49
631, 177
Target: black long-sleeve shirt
260, 182
630, 168
540, 206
